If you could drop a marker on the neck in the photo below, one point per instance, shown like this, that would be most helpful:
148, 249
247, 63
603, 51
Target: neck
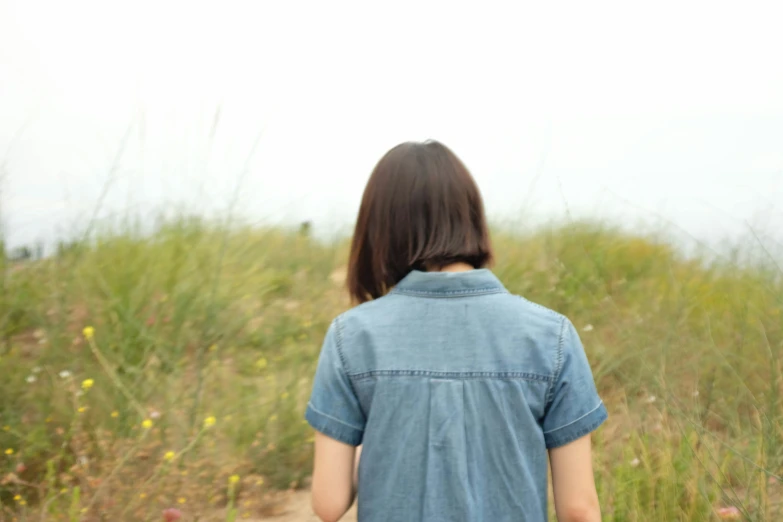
455, 267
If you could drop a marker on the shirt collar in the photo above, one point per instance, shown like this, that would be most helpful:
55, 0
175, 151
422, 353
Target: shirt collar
450, 284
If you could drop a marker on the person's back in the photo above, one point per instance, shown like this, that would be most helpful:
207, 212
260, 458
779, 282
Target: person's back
455, 389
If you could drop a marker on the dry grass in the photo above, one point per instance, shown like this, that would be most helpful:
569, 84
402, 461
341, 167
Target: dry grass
196, 323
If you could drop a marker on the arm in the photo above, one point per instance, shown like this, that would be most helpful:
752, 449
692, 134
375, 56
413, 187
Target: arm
333, 478
356, 468
576, 499
334, 411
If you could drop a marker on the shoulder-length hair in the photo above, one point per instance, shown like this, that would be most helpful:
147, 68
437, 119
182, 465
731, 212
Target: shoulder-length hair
421, 210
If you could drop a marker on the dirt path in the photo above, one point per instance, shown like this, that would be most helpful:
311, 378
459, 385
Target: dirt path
297, 509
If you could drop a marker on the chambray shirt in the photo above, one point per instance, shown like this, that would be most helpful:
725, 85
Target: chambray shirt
456, 389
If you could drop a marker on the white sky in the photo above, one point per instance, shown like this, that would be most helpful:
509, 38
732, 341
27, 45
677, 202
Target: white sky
624, 110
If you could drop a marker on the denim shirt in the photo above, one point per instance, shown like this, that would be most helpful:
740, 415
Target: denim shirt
455, 388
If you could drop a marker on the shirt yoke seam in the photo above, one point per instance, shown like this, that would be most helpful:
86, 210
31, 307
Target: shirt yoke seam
527, 376
449, 293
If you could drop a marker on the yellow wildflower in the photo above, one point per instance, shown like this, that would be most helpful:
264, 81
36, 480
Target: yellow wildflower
147, 424
82, 409
22, 502
87, 384
9, 451
213, 348
17, 497
233, 479
88, 332
6, 428
142, 495
284, 395
209, 421
115, 414
182, 500
260, 482
261, 363
169, 456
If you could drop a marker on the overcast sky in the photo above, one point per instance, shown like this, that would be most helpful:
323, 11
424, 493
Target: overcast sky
624, 110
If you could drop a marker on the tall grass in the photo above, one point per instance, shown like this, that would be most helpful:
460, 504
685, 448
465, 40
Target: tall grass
188, 392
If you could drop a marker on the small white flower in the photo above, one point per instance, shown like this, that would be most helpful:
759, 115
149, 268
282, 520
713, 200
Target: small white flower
588, 328
37, 369
64, 374
83, 460
31, 379
651, 399
154, 414
635, 462
695, 393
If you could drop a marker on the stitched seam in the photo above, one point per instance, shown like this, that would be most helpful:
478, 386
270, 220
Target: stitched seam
339, 343
339, 338
319, 412
555, 441
451, 375
558, 364
544, 308
600, 403
449, 293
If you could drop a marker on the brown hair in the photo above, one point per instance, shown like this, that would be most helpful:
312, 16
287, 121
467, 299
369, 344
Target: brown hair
421, 210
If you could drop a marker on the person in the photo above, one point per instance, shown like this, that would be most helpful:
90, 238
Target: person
455, 389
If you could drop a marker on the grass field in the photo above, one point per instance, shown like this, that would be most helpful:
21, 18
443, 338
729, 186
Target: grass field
143, 372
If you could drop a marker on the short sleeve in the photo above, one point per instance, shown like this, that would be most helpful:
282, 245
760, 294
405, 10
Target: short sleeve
334, 409
574, 408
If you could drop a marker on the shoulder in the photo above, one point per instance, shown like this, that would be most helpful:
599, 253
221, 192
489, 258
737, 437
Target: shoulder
369, 316
536, 315
505, 307
371, 311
